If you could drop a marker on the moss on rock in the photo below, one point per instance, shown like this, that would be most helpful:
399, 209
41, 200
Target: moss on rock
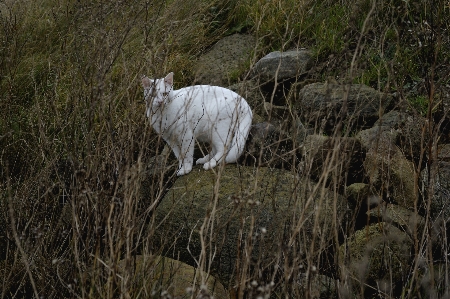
239, 219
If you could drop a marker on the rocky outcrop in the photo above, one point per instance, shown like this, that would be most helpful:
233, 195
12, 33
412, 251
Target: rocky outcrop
238, 219
307, 195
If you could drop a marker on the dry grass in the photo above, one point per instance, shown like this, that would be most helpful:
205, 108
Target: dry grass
77, 199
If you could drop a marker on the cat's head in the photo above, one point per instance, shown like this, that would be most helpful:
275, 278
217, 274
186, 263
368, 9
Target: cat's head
157, 91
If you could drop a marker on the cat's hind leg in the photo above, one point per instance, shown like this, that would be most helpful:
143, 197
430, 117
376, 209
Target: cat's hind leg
220, 141
215, 157
213, 162
204, 159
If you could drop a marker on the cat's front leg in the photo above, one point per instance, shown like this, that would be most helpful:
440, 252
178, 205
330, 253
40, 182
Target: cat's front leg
184, 163
217, 153
184, 168
186, 157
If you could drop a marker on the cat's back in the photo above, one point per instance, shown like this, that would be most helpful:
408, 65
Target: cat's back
206, 93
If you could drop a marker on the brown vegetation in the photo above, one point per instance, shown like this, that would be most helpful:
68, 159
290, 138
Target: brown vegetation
82, 173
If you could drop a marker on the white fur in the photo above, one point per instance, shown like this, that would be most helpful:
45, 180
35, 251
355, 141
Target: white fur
210, 114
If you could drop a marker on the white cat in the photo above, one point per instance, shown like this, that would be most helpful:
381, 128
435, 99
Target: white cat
211, 114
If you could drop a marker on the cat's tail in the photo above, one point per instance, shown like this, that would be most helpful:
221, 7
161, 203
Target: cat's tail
243, 124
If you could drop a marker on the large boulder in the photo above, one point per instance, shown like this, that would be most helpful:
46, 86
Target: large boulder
243, 221
326, 104
282, 65
225, 61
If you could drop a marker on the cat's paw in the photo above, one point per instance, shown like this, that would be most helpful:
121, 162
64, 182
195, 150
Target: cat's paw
202, 160
209, 165
185, 169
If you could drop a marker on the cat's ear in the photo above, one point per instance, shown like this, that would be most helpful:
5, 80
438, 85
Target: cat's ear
169, 79
146, 82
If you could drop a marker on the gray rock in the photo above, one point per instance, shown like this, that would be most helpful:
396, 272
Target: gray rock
243, 220
377, 257
357, 105
394, 138
408, 129
404, 219
283, 65
226, 60
339, 158
299, 132
370, 138
390, 173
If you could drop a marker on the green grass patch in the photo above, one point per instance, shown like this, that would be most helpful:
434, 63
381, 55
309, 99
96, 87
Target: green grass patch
420, 104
